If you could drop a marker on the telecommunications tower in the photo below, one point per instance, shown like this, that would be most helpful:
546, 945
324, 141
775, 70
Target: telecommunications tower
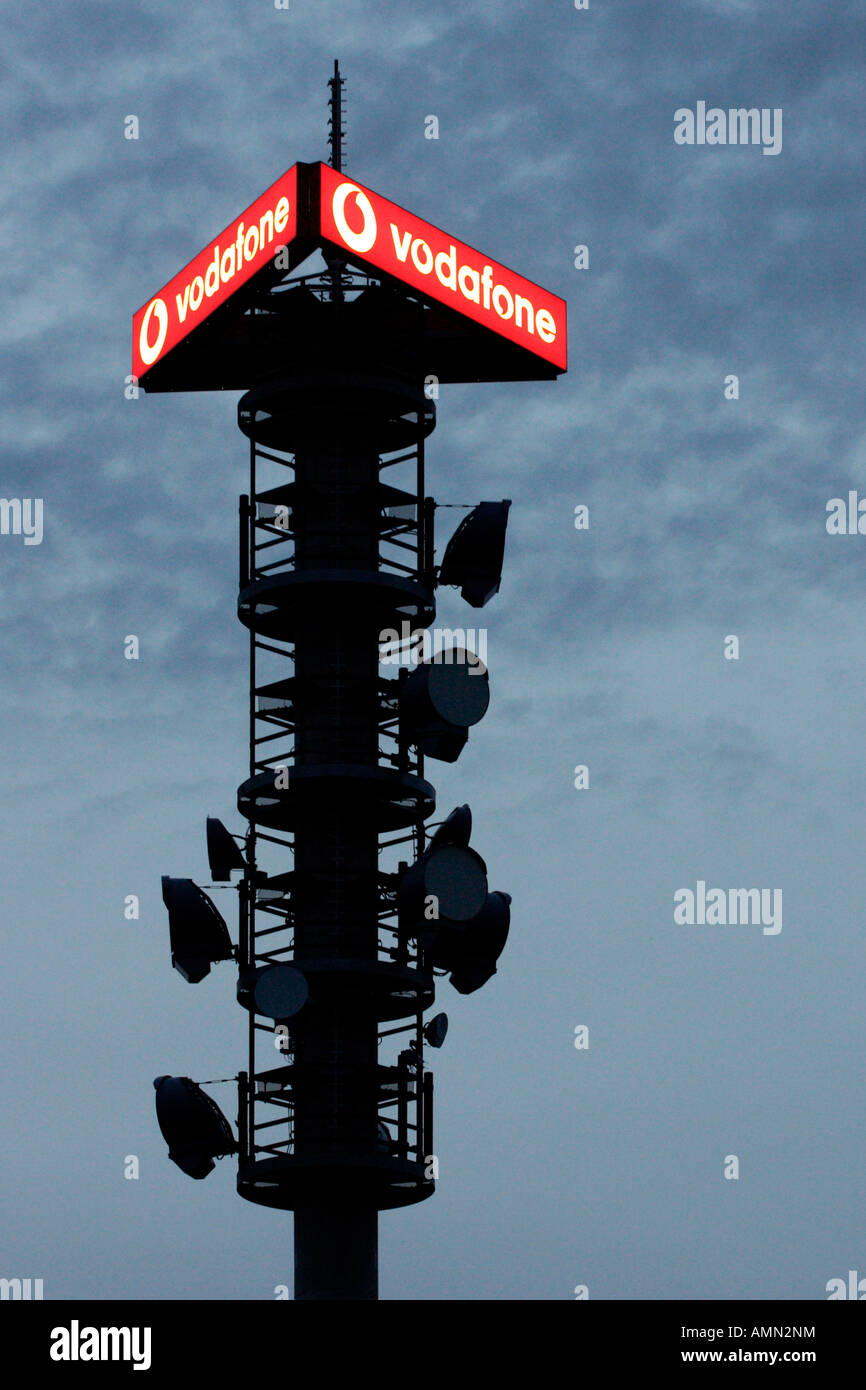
350, 909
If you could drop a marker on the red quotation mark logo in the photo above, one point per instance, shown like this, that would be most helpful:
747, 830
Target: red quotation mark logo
364, 240
150, 351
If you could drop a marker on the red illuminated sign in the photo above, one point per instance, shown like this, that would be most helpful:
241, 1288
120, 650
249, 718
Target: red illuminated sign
384, 235
312, 205
227, 263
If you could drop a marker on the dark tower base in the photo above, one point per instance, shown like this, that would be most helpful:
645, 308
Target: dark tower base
336, 1253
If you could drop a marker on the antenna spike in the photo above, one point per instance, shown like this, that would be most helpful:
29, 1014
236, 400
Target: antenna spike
336, 131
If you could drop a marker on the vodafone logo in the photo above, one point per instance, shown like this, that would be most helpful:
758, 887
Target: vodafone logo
147, 350
358, 241
426, 258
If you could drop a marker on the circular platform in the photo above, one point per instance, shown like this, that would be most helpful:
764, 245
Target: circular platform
383, 1182
397, 800
279, 605
384, 413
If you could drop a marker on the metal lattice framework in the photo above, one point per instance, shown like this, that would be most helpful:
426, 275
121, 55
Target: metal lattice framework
321, 446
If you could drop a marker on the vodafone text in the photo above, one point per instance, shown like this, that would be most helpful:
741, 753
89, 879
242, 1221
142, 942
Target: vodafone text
224, 267
216, 273
479, 288
415, 251
226, 263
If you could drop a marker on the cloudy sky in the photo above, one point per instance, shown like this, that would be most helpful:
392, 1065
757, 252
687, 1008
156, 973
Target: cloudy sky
602, 1167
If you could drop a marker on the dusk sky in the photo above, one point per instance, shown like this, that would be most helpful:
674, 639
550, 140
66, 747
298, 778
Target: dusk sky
708, 417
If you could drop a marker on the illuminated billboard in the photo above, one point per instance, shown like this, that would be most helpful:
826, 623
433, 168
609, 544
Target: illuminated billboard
381, 234
244, 247
522, 326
